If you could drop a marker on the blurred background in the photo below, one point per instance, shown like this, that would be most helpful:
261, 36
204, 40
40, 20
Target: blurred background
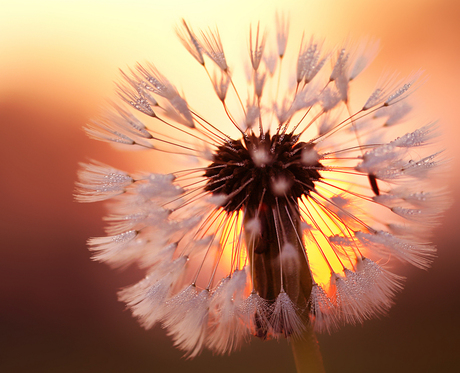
58, 60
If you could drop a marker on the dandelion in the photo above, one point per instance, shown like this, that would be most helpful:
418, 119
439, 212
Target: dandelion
294, 207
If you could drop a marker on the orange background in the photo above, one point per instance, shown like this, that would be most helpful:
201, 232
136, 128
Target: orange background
59, 311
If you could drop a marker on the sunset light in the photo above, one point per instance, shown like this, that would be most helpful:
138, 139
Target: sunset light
245, 199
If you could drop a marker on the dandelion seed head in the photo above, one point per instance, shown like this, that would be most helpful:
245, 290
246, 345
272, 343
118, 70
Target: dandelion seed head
285, 220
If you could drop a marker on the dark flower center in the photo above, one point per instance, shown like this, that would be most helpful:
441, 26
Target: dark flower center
255, 170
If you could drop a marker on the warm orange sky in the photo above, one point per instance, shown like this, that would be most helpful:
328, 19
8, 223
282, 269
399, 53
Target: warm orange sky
58, 61
67, 53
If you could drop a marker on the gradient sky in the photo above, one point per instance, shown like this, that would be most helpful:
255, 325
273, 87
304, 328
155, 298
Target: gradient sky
58, 61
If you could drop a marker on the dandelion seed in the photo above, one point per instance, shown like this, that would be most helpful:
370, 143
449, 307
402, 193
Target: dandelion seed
282, 32
282, 228
309, 62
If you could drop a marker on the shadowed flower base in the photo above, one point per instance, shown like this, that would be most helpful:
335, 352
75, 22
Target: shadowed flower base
287, 221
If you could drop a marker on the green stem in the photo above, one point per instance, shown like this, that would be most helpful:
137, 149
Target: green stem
306, 351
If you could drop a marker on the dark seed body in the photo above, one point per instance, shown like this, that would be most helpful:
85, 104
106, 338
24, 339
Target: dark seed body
373, 182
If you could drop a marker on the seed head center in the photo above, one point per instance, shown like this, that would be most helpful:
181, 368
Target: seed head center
255, 171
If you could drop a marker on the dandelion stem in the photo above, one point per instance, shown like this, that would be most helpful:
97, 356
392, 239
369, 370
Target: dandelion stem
306, 352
